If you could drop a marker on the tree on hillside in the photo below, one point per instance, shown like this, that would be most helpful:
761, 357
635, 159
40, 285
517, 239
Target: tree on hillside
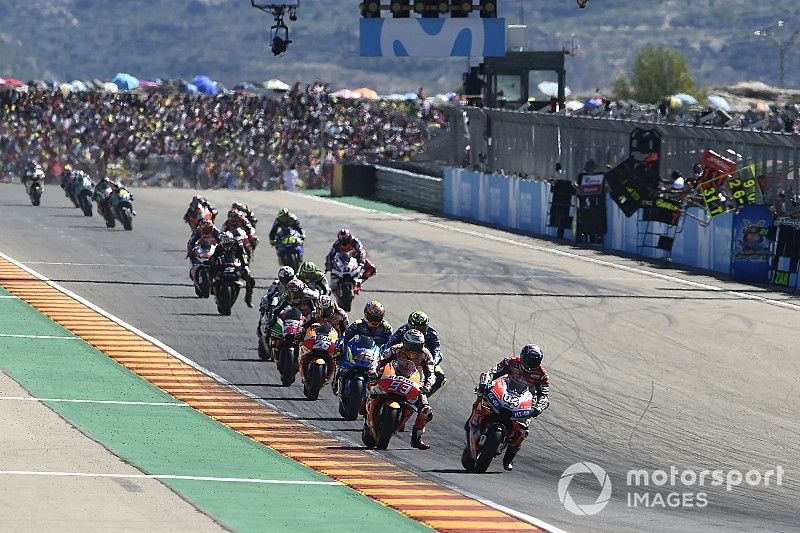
657, 72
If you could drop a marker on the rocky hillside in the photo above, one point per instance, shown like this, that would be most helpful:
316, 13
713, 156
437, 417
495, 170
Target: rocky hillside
68, 39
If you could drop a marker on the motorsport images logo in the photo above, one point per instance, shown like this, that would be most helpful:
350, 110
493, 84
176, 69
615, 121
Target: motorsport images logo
663, 488
588, 509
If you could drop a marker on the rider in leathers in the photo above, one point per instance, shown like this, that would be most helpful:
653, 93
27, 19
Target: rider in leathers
198, 201
419, 321
347, 243
527, 367
328, 312
299, 296
413, 349
372, 325
284, 220
237, 220
34, 170
277, 289
205, 231
313, 277
227, 242
251, 217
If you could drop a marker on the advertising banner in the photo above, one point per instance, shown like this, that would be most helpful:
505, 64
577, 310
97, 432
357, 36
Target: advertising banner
784, 267
439, 37
751, 247
591, 223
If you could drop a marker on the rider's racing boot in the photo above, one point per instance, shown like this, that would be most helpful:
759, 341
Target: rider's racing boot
508, 458
248, 295
416, 440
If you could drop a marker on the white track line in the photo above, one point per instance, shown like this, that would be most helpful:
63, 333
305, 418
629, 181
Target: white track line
564, 253
62, 337
521, 516
101, 265
171, 476
8, 297
110, 402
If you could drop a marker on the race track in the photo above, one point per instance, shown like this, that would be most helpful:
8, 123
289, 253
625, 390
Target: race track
648, 371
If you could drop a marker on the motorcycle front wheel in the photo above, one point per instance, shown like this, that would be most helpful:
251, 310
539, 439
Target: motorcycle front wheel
494, 438
354, 400
390, 419
224, 295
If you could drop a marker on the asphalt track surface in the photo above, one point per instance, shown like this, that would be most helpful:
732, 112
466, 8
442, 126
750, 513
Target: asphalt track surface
650, 368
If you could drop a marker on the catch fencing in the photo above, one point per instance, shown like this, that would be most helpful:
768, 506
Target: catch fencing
416, 191
530, 145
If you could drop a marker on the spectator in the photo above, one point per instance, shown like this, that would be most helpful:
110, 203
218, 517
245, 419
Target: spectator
231, 140
290, 176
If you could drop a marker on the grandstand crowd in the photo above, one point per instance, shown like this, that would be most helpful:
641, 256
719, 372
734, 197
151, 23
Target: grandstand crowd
235, 140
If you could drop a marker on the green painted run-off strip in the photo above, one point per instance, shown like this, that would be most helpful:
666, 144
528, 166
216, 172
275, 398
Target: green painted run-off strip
162, 440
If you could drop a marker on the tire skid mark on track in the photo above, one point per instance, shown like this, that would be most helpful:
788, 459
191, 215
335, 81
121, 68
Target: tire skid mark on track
438, 507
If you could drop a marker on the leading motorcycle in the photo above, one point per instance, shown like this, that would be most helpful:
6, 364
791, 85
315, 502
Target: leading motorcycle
505, 401
392, 400
346, 278
200, 212
35, 189
352, 376
316, 358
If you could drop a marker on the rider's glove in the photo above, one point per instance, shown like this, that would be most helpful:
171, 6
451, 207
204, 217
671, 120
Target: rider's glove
480, 389
426, 390
535, 412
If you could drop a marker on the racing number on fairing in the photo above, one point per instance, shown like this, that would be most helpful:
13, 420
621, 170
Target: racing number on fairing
322, 342
400, 386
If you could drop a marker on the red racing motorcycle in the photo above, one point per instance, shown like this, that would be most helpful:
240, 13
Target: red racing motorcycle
505, 402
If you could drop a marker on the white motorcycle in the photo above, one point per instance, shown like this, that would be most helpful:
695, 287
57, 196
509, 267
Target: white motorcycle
346, 278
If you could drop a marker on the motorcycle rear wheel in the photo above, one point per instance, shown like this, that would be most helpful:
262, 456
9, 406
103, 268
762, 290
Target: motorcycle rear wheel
346, 300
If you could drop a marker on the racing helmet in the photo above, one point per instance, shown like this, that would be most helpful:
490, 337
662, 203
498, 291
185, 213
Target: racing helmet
233, 214
228, 240
283, 213
374, 312
413, 341
325, 306
285, 274
345, 236
206, 227
295, 287
530, 357
419, 321
307, 268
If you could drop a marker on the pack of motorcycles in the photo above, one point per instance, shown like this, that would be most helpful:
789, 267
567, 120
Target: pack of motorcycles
320, 357
112, 204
